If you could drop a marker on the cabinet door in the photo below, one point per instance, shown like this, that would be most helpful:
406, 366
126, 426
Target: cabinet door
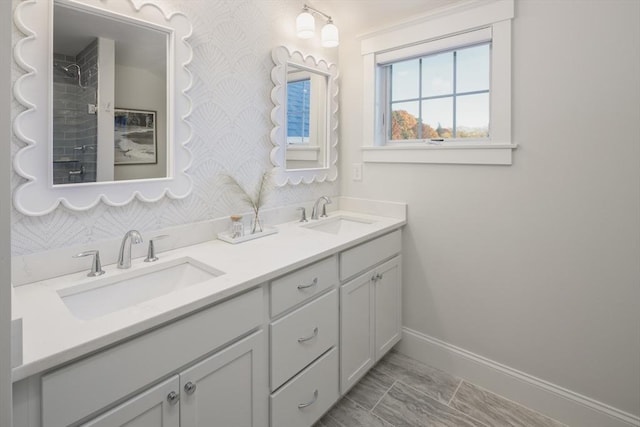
228, 388
388, 297
356, 330
151, 408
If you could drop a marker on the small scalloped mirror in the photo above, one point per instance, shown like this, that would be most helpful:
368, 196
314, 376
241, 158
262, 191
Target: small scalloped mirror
305, 118
34, 53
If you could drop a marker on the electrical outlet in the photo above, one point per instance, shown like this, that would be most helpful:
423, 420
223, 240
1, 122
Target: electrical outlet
357, 171
91, 109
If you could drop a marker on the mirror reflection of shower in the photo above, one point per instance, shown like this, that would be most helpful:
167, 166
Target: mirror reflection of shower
73, 71
75, 125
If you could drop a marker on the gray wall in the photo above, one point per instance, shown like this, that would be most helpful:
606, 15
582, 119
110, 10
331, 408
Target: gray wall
534, 265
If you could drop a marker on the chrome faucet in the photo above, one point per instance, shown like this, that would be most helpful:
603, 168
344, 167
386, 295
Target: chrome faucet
316, 206
124, 257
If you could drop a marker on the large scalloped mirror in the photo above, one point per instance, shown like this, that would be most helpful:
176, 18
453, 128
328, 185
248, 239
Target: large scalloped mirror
104, 92
305, 118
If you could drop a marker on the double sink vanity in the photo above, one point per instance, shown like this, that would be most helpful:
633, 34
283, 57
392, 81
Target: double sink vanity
265, 332
270, 331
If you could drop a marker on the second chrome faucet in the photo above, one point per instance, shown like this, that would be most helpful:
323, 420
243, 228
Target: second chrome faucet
124, 256
316, 207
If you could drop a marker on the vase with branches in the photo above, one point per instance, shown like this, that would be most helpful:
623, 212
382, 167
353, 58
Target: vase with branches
255, 201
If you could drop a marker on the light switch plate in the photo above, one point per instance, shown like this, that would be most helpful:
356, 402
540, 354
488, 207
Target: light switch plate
357, 171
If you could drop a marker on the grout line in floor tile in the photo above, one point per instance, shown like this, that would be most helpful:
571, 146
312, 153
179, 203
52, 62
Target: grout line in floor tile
371, 411
426, 396
382, 397
454, 393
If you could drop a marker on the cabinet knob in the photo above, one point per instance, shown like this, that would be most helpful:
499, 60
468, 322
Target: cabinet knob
190, 388
173, 397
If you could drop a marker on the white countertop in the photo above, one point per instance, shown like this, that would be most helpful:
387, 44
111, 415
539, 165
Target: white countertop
53, 336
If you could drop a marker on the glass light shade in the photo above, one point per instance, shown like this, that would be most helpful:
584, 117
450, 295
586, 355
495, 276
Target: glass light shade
329, 35
305, 25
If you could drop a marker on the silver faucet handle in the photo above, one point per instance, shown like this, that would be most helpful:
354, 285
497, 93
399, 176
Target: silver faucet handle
303, 217
328, 201
96, 266
151, 252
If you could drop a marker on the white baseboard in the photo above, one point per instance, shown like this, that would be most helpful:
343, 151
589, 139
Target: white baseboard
552, 400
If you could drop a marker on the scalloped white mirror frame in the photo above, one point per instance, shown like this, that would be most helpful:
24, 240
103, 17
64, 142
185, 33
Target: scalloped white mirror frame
282, 57
34, 54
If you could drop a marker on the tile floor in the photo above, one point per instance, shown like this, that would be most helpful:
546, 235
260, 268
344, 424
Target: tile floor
401, 392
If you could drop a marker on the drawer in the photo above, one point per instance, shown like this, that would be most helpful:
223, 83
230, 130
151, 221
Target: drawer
366, 255
84, 387
301, 336
302, 285
307, 397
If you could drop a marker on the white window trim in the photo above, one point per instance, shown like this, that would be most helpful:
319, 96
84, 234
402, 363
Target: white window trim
466, 17
304, 152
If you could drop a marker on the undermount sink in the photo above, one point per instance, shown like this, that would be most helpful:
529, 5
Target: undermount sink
97, 297
339, 224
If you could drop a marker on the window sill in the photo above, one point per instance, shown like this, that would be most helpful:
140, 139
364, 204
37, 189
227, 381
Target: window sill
495, 154
303, 152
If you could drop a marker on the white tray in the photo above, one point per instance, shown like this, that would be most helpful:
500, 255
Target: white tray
226, 236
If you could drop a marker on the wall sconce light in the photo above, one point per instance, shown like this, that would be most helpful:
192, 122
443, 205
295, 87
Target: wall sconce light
306, 27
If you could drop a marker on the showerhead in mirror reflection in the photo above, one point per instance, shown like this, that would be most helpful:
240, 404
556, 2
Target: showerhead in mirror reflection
73, 71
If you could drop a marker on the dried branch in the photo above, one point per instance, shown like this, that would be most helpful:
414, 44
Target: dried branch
257, 201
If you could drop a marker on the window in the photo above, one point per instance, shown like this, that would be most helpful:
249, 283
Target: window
440, 96
298, 102
440, 89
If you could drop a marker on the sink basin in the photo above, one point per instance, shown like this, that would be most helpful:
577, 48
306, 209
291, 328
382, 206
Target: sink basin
339, 224
97, 297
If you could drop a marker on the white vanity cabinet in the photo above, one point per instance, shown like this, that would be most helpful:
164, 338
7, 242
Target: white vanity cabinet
219, 391
370, 305
226, 389
304, 336
216, 381
280, 354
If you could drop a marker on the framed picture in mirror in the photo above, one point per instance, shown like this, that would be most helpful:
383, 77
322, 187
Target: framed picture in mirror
135, 139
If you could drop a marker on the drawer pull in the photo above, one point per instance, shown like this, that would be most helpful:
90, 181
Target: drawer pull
173, 398
309, 403
312, 336
190, 388
310, 285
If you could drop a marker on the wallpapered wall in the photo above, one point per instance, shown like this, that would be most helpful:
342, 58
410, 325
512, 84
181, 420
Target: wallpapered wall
230, 120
